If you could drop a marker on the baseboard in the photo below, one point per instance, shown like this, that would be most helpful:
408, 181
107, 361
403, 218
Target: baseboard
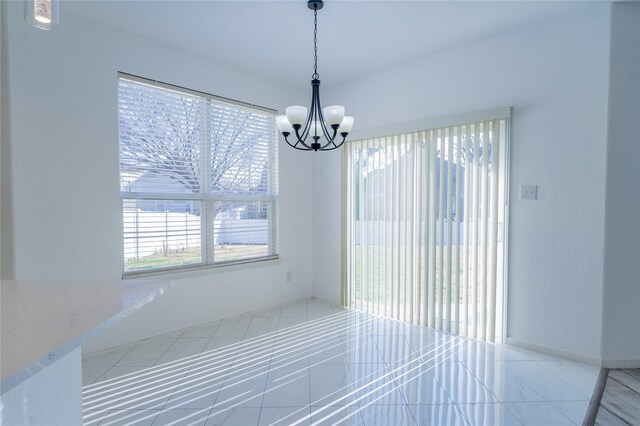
621, 363
549, 350
326, 299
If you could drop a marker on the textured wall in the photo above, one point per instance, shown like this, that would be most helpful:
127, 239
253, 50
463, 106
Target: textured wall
65, 182
555, 75
621, 324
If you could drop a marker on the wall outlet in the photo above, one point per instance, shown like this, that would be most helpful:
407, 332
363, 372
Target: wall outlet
528, 192
288, 275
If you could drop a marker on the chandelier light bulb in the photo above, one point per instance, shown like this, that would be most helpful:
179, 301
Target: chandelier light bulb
316, 129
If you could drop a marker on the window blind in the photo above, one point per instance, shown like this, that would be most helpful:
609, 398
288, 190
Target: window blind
198, 178
425, 218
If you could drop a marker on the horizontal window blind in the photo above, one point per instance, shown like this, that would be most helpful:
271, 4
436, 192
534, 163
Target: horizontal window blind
158, 234
425, 215
198, 178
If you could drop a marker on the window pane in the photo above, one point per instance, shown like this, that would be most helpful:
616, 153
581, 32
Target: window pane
241, 230
180, 147
160, 137
240, 151
161, 233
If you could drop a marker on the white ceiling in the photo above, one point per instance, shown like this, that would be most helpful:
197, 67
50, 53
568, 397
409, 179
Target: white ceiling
275, 38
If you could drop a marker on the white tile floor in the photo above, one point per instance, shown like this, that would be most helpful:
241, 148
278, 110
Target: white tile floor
312, 362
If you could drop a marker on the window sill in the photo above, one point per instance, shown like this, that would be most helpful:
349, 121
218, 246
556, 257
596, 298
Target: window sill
191, 270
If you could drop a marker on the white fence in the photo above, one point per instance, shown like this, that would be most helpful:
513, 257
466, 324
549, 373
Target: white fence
374, 232
149, 232
241, 231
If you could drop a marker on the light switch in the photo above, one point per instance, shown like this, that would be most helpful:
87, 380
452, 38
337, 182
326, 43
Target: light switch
528, 192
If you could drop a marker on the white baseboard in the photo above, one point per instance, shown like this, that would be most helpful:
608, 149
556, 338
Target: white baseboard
549, 350
326, 299
621, 363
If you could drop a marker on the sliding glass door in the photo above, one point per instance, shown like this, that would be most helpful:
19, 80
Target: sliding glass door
425, 226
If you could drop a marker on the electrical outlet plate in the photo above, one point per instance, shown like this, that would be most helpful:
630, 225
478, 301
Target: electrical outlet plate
528, 192
288, 276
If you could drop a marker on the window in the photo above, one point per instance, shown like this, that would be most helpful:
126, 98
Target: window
198, 178
425, 225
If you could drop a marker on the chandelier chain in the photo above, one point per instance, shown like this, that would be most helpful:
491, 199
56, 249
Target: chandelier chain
315, 43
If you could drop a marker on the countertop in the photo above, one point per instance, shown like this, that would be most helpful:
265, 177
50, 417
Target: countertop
42, 321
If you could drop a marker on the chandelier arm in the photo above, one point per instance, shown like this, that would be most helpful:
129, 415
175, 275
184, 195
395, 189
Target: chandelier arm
307, 126
330, 140
301, 139
344, 138
325, 131
296, 145
305, 132
286, 138
331, 148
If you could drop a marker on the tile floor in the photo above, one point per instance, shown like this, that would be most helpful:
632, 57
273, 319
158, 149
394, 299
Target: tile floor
312, 362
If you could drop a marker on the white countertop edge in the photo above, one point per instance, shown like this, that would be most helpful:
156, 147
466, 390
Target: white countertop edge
14, 380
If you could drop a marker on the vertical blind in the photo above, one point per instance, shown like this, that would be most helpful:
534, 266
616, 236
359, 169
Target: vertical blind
198, 178
424, 226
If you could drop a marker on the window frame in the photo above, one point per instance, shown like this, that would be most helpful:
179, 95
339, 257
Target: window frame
205, 197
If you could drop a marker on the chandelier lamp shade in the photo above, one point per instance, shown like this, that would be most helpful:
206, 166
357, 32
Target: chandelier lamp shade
328, 127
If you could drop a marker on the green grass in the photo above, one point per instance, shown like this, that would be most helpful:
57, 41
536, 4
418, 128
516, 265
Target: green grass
192, 255
163, 260
377, 263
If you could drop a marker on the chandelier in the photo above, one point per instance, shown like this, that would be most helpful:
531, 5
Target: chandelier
316, 121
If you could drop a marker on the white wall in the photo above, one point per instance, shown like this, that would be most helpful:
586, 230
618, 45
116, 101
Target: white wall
555, 76
621, 323
6, 214
68, 218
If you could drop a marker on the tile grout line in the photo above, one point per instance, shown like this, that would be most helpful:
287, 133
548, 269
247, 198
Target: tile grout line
140, 379
539, 362
109, 368
468, 368
405, 404
266, 382
189, 370
235, 355
115, 405
306, 306
506, 366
